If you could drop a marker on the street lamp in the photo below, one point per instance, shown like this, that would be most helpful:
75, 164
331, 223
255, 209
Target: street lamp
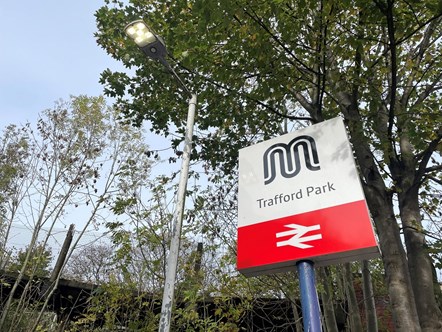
154, 47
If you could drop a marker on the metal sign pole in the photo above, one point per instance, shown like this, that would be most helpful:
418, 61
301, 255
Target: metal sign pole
309, 297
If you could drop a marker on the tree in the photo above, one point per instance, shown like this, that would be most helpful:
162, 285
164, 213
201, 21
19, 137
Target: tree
264, 68
39, 261
92, 263
35, 263
13, 150
75, 159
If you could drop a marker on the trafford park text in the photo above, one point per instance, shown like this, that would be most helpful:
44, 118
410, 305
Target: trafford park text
285, 198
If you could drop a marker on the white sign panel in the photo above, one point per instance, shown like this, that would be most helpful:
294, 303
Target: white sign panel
290, 189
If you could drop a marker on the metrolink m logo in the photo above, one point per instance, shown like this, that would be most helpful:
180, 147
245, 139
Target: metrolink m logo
288, 156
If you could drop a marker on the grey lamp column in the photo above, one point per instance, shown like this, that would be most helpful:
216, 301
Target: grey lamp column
154, 47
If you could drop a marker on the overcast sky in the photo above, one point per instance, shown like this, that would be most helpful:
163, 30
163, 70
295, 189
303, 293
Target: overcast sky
47, 52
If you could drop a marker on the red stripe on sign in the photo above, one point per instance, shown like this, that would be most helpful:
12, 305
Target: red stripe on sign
329, 231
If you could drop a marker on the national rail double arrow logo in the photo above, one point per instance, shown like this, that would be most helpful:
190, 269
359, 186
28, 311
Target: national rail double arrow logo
298, 239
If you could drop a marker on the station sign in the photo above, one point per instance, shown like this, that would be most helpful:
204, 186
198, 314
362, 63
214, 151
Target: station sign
300, 198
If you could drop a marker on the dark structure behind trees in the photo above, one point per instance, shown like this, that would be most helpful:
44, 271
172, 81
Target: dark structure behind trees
72, 301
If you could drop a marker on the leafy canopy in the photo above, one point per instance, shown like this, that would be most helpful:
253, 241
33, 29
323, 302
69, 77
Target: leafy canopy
261, 66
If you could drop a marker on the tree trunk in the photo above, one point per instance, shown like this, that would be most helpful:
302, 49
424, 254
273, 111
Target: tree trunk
395, 264
369, 302
353, 309
298, 325
437, 288
380, 204
419, 262
327, 301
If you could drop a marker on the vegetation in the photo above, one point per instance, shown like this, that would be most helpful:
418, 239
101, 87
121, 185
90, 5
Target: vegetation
38, 264
264, 68
261, 69
76, 159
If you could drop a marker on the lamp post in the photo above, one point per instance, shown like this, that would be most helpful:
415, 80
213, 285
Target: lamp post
154, 47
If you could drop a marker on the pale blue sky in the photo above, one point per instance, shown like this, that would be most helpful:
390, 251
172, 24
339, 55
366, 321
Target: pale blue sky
47, 52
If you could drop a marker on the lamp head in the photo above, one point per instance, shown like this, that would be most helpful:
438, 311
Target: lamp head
146, 39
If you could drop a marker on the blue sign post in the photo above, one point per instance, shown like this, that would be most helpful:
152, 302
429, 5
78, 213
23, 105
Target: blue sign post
309, 297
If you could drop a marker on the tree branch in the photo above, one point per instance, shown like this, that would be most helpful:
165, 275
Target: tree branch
432, 178
258, 20
244, 95
433, 169
393, 59
419, 55
426, 154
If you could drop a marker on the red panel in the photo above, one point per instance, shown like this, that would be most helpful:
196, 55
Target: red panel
343, 228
